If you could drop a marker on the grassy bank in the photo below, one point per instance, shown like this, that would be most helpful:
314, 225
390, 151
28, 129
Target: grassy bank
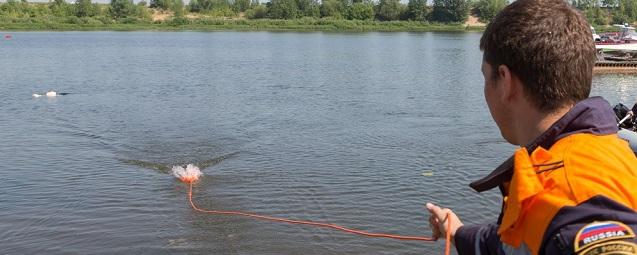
217, 24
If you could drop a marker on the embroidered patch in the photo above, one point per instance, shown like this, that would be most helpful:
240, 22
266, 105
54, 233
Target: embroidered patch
614, 247
601, 231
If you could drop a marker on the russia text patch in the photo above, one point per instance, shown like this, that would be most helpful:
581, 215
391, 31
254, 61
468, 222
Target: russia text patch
601, 232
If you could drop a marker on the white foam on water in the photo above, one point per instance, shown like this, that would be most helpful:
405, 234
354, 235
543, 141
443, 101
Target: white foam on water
189, 174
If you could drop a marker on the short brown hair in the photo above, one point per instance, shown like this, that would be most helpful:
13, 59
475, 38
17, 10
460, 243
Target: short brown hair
548, 45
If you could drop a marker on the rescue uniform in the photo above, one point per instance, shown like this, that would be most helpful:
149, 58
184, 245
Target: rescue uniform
573, 190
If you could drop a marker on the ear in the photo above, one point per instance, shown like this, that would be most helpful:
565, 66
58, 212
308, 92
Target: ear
509, 84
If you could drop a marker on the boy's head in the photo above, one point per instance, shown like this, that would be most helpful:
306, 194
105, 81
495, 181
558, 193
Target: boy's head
547, 45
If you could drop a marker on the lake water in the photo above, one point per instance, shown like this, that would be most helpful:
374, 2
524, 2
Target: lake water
358, 130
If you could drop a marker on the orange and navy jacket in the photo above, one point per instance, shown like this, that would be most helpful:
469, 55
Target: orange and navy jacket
573, 190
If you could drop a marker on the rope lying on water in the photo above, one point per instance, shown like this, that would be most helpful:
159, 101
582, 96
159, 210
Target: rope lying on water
319, 224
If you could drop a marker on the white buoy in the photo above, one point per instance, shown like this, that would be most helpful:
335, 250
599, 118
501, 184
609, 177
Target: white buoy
51, 93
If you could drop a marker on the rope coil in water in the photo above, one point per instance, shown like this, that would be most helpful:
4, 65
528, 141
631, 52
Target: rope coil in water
319, 224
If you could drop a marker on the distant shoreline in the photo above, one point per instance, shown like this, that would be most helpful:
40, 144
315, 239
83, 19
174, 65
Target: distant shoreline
300, 25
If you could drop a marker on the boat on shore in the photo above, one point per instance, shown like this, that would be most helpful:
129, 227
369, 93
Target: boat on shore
623, 40
616, 51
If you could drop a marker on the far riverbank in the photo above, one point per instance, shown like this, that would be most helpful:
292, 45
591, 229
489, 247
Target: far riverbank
220, 24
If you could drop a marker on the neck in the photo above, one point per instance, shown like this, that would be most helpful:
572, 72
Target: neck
535, 123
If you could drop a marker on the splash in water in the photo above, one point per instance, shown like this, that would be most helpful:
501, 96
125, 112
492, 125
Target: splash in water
188, 175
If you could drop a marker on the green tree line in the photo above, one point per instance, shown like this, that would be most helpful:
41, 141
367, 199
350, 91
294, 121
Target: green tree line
79, 12
126, 11
605, 12
599, 12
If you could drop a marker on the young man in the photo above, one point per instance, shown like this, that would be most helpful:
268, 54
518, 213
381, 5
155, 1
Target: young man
571, 188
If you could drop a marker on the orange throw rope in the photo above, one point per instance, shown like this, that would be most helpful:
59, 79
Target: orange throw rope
448, 237
319, 224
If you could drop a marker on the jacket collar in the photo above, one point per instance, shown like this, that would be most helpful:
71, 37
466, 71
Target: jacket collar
593, 115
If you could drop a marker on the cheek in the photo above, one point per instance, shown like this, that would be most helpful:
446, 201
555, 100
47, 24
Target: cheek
488, 97
492, 103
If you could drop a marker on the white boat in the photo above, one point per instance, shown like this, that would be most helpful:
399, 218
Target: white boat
596, 37
617, 47
624, 40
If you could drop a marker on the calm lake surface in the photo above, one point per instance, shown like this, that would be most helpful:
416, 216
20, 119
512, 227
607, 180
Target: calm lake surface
355, 129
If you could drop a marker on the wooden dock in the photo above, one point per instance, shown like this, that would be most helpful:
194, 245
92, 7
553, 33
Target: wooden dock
620, 67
